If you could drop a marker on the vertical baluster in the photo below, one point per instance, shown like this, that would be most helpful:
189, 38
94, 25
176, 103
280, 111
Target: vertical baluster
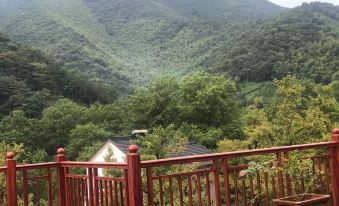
79, 191
101, 192
106, 192
273, 184
287, 176
171, 191
252, 188
190, 190
320, 175
161, 193
208, 189
243, 193
49, 187
226, 182
266, 189
280, 176
25, 186
72, 191
149, 174
90, 186
116, 193
111, 200
96, 188
121, 194
199, 190
326, 177
181, 196
217, 182
126, 188
85, 193
235, 181
37, 191
259, 187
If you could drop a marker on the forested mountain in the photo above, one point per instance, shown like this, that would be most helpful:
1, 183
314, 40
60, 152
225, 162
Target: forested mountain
61, 84
30, 81
303, 41
141, 38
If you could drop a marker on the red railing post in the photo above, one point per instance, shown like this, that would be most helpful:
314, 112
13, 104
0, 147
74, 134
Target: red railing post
11, 180
334, 154
134, 177
61, 179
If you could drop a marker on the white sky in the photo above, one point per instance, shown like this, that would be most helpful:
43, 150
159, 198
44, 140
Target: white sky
294, 3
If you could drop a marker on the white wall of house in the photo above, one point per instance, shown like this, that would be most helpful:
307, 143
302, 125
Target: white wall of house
100, 155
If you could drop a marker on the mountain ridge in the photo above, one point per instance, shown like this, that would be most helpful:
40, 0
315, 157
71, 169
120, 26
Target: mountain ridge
137, 38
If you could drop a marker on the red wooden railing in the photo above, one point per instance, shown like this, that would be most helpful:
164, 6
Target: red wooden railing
211, 179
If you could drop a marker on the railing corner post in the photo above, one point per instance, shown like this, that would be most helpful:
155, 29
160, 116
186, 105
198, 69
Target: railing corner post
135, 191
61, 179
334, 155
11, 180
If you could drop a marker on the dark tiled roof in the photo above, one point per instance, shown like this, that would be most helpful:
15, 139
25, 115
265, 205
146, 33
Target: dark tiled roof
192, 148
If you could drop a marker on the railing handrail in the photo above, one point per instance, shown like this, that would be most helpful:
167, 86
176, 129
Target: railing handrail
36, 166
242, 153
102, 165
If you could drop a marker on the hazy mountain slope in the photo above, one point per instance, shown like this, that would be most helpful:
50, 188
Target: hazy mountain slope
65, 30
303, 41
141, 38
29, 80
225, 10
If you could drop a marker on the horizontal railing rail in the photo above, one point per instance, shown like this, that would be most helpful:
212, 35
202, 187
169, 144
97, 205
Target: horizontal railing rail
216, 156
102, 165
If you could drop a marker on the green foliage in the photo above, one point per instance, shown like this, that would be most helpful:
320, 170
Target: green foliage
202, 105
302, 41
295, 115
156, 104
31, 81
57, 122
82, 136
87, 152
106, 39
296, 168
228, 145
209, 100
18, 128
162, 143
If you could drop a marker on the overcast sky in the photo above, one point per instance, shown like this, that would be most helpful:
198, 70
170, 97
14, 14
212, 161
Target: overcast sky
294, 3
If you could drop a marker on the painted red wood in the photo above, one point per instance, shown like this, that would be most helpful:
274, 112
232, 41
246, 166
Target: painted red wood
334, 154
11, 180
134, 177
25, 186
226, 183
149, 174
191, 188
61, 179
280, 176
217, 182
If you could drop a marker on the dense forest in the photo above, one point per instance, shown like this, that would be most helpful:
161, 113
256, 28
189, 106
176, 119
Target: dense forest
302, 41
140, 39
226, 74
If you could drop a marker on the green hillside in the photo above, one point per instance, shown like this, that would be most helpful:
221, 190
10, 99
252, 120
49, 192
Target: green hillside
303, 41
140, 38
30, 81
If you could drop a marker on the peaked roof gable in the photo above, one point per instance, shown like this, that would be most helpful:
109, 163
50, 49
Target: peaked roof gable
122, 143
191, 149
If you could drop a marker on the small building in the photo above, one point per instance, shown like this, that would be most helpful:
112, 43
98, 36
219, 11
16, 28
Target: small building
119, 149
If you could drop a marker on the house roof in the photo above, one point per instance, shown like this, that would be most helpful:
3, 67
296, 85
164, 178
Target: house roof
191, 149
